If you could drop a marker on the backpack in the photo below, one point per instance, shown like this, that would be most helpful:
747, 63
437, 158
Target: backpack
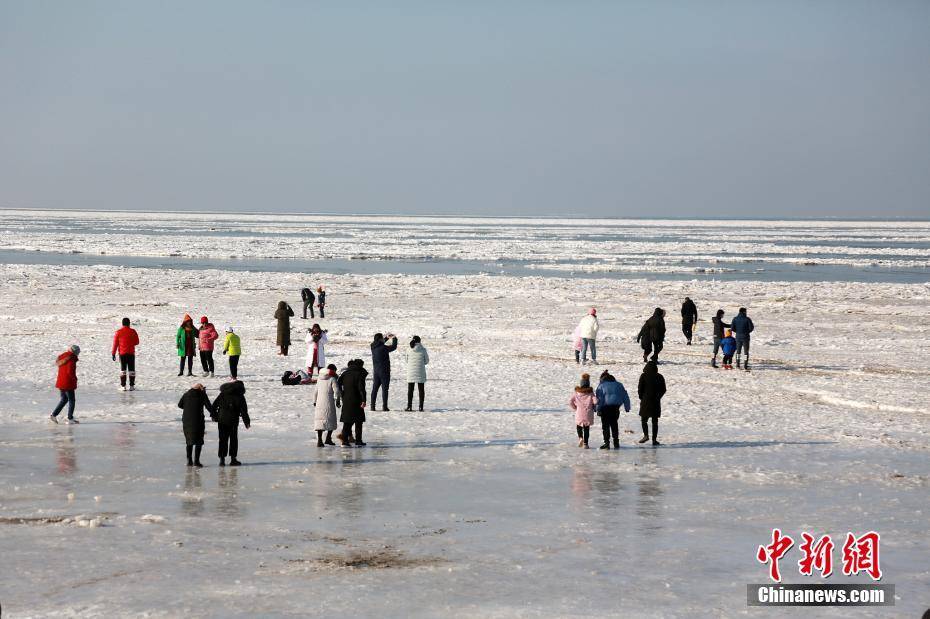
289, 378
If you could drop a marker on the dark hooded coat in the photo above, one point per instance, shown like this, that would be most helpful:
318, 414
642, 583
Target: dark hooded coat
381, 356
352, 383
193, 402
283, 315
688, 312
230, 405
651, 389
656, 326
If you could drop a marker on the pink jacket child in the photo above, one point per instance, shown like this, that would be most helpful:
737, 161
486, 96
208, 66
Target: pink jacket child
583, 402
208, 335
576, 344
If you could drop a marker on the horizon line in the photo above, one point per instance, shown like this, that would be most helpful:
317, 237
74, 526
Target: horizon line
900, 219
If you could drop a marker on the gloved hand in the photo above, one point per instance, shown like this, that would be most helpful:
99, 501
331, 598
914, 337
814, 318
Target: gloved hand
114, 357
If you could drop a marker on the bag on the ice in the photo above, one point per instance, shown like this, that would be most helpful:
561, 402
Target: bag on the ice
289, 378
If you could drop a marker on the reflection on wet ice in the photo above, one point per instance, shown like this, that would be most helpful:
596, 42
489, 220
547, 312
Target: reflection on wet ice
65, 451
192, 499
227, 500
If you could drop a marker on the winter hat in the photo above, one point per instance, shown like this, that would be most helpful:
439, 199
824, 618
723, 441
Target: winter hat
186, 318
593, 311
75, 349
720, 312
229, 330
203, 319
585, 380
125, 322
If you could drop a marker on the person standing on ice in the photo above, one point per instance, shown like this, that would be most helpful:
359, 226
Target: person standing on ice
610, 396
651, 389
228, 407
583, 402
417, 360
689, 317
381, 351
719, 326
652, 335
306, 295
352, 386
321, 301
66, 382
125, 341
728, 346
233, 347
192, 403
328, 397
283, 315
186, 341
316, 349
207, 337
588, 328
742, 327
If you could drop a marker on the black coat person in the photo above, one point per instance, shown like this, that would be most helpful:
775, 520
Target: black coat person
228, 408
651, 389
307, 296
689, 318
381, 351
283, 316
193, 403
652, 334
352, 384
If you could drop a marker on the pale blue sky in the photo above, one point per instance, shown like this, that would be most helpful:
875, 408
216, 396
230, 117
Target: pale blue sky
632, 109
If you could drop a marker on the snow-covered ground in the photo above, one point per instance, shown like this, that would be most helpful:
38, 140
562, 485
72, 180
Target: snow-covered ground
482, 506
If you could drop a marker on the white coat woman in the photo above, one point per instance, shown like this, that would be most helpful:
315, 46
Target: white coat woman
417, 359
316, 348
328, 396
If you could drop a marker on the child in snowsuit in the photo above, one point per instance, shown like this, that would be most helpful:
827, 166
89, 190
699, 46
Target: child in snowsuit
192, 403
728, 346
321, 301
583, 402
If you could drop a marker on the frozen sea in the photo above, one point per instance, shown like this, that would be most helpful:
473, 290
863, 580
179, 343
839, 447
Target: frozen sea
483, 505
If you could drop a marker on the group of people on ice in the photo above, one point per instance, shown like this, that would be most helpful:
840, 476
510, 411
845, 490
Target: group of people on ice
190, 339
607, 400
730, 338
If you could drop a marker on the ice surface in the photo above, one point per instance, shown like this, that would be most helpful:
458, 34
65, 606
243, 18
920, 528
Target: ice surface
482, 506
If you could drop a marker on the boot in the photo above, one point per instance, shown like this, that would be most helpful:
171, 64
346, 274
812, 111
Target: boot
644, 439
713, 362
234, 462
605, 446
329, 438
222, 461
616, 443
655, 442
